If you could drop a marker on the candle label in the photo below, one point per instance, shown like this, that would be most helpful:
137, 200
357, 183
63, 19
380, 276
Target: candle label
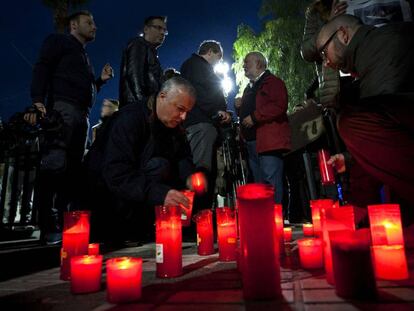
231, 240
159, 253
198, 239
183, 216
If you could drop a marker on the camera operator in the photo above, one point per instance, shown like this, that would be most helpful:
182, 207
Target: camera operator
200, 129
265, 128
64, 76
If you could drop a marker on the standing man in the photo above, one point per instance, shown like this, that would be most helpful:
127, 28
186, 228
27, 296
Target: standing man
64, 81
140, 68
200, 128
265, 127
378, 128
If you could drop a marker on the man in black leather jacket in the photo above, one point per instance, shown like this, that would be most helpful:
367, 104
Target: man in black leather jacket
140, 68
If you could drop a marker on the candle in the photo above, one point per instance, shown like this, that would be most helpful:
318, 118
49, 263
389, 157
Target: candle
205, 238
287, 234
123, 279
186, 212
168, 241
310, 253
352, 265
226, 233
279, 228
390, 262
316, 206
75, 239
198, 183
260, 256
307, 230
324, 206
385, 221
326, 170
93, 249
85, 272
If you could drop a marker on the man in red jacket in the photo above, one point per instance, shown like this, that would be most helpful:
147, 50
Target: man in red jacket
265, 128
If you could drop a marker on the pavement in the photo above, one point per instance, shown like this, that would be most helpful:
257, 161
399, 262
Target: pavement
207, 284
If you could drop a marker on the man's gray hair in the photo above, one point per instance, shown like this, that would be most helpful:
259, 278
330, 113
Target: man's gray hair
178, 82
261, 59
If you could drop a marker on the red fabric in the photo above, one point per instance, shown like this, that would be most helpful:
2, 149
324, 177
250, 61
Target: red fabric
272, 128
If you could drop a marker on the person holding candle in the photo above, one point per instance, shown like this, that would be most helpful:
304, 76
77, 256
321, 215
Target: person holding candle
141, 153
377, 129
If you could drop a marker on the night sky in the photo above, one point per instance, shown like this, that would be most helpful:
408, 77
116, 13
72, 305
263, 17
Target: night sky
24, 25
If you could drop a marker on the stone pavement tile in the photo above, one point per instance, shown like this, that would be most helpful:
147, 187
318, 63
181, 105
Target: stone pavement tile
356, 306
320, 295
315, 283
201, 307
331, 307
225, 296
125, 307
287, 285
396, 294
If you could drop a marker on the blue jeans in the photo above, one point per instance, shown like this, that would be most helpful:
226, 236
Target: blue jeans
266, 168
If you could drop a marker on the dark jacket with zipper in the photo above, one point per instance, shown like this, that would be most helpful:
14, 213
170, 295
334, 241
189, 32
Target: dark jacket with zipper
140, 73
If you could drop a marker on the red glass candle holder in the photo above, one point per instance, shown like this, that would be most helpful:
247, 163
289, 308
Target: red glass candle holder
385, 224
260, 256
198, 183
186, 212
324, 206
310, 253
86, 272
93, 249
226, 233
279, 228
316, 206
352, 266
168, 239
123, 279
307, 230
75, 239
326, 170
205, 237
390, 262
287, 234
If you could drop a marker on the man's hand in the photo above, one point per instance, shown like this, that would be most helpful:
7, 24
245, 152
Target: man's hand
338, 8
337, 161
107, 72
225, 117
31, 117
175, 198
248, 122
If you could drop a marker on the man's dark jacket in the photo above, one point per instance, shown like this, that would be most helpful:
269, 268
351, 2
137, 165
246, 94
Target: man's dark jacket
63, 72
383, 60
210, 98
140, 74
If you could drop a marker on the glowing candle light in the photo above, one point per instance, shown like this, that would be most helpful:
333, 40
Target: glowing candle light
93, 249
390, 262
385, 221
310, 253
279, 228
123, 279
86, 272
226, 233
287, 234
307, 230
258, 236
198, 183
205, 237
168, 241
75, 239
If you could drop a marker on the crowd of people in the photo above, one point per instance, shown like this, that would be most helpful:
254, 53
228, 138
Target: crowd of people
164, 127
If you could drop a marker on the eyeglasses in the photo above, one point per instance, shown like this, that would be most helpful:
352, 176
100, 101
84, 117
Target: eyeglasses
160, 28
322, 50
